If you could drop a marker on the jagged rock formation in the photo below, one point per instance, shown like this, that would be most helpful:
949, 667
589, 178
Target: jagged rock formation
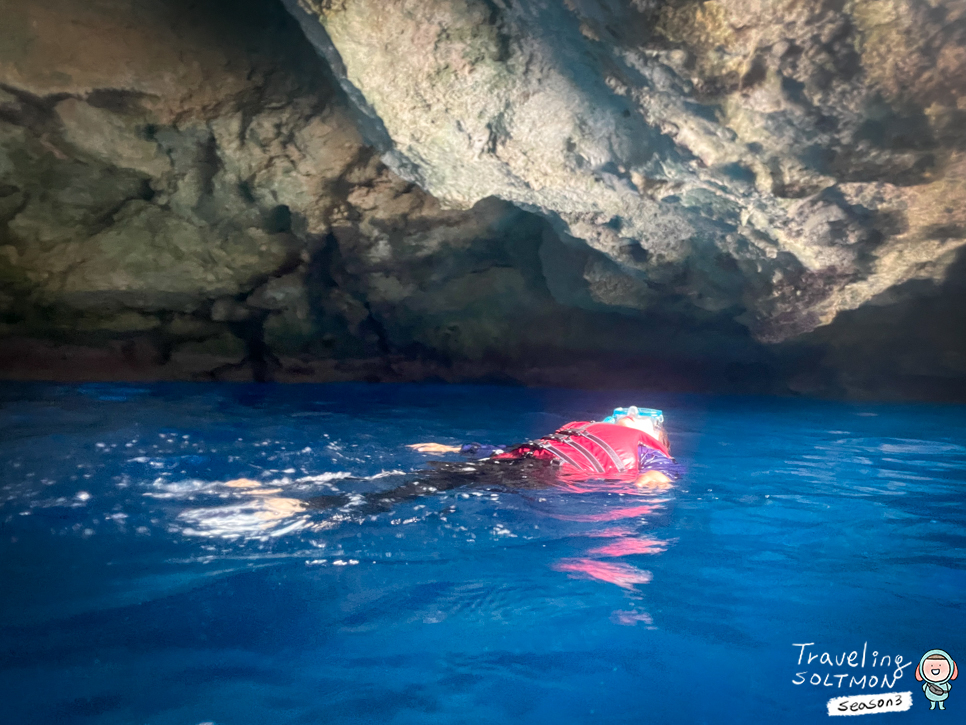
784, 161
196, 196
757, 195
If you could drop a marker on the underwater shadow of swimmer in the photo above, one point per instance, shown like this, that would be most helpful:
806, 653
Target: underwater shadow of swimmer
258, 508
495, 475
444, 476
523, 475
260, 513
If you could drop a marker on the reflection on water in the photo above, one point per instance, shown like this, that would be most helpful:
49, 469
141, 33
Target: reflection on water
627, 546
260, 510
623, 575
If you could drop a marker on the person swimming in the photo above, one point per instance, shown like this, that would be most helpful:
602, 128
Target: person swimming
631, 445
629, 449
630, 441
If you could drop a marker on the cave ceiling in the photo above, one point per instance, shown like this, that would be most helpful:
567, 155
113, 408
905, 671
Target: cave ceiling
764, 193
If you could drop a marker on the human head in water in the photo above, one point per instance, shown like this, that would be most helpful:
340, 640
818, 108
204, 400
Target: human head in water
646, 420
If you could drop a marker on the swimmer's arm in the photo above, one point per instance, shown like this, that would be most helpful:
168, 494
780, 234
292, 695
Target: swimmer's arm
652, 461
475, 450
653, 479
433, 448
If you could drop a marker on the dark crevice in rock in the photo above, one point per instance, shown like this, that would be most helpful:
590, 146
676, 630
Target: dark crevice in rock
258, 355
33, 111
210, 165
245, 191
756, 73
373, 325
279, 220
503, 39
326, 274
116, 100
105, 219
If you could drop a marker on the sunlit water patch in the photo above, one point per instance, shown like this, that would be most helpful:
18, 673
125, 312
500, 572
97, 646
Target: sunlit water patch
231, 554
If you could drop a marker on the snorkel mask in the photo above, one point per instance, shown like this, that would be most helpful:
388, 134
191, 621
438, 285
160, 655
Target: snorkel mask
648, 420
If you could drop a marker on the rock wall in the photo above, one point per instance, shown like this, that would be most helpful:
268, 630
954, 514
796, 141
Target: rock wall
781, 160
741, 196
179, 184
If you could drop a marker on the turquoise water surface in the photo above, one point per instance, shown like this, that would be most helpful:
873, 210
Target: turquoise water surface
158, 567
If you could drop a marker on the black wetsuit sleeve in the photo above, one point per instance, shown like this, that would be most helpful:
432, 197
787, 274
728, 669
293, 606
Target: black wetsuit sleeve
480, 450
651, 460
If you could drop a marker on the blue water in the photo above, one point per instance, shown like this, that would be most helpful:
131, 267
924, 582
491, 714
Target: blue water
156, 566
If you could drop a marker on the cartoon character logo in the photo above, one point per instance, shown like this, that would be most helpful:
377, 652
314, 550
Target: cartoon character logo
935, 670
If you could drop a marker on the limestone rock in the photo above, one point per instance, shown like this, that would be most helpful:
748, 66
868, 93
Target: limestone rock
291, 328
123, 322
226, 346
208, 355
290, 333
178, 60
126, 179
154, 260
191, 327
280, 293
110, 138
226, 309
755, 196
761, 136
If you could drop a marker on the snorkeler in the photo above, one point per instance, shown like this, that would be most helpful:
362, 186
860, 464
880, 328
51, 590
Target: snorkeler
630, 441
630, 446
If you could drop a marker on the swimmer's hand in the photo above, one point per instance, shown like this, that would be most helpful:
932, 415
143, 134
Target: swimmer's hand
433, 448
654, 480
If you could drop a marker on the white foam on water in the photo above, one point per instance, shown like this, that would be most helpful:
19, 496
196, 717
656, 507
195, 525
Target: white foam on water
324, 477
384, 474
258, 519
